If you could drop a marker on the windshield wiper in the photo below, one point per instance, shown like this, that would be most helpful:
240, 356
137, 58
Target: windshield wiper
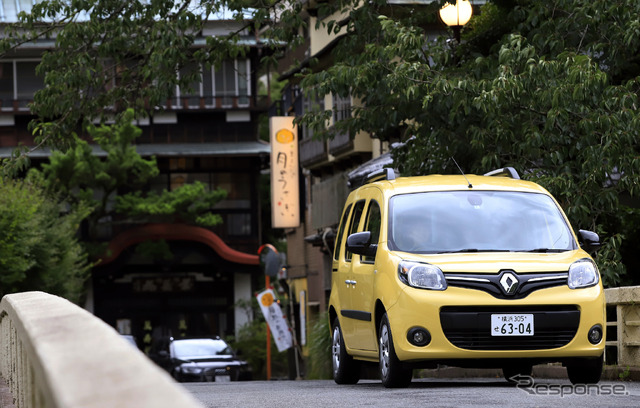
545, 250
468, 250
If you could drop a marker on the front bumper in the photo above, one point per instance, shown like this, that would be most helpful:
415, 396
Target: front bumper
212, 374
465, 315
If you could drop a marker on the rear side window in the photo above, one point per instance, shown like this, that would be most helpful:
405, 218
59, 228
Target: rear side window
355, 221
343, 224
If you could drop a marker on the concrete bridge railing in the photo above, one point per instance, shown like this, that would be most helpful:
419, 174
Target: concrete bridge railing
624, 321
54, 354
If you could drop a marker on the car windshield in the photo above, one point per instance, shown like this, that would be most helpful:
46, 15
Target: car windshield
477, 221
200, 348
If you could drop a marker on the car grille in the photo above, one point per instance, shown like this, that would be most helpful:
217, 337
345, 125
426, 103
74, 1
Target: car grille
497, 284
469, 327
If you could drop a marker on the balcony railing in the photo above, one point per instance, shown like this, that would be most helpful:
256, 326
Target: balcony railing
312, 152
186, 103
340, 143
221, 102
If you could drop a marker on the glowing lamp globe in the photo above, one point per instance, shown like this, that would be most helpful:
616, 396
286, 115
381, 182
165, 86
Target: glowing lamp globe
458, 14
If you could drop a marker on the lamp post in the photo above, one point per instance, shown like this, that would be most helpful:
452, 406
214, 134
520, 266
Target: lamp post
456, 15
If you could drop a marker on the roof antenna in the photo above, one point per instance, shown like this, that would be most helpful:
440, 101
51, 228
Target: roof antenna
461, 172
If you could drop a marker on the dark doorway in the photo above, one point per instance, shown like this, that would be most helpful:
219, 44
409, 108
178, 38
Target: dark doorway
189, 294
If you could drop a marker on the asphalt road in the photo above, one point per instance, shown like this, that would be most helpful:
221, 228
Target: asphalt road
456, 393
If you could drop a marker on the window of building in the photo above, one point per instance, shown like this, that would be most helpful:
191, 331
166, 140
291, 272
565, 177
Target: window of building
341, 107
238, 187
235, 209
225, 83
231, 81
6, 84
189, 94
311, 103
243, 82
207, 87
177, 180
19, 82
238, 224
27, 82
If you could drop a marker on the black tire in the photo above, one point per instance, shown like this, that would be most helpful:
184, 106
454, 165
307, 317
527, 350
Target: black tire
516, 370
392, 372
346, 370
585, 371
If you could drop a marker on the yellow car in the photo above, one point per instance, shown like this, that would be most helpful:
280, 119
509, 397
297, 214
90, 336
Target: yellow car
469, 271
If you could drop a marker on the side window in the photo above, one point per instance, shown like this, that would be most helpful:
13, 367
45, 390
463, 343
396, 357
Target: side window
343, 224
374, 219
355, 220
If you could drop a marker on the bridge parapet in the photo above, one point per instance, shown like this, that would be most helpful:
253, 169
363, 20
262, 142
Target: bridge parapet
624, 320
54, 354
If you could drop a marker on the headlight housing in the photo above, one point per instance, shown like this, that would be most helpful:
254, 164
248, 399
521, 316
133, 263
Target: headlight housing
191, 369
582, 274
421, 275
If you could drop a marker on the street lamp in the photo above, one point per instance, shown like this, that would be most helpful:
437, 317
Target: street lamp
456, 15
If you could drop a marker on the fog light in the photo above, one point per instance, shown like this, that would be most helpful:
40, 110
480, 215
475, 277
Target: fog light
595, 334
418, 336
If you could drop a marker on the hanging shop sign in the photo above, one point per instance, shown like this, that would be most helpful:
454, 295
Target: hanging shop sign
285, 194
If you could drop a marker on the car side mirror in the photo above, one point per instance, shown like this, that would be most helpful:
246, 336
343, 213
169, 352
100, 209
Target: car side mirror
589, 241
360, 243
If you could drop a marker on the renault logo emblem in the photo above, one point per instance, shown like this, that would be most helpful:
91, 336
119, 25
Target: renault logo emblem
509, 283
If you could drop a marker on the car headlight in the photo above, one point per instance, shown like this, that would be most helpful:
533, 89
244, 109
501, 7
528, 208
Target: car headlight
582, 274
191, 369
422, 275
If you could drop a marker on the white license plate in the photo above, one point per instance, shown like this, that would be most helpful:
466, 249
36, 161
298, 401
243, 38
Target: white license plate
512, 325
223, 378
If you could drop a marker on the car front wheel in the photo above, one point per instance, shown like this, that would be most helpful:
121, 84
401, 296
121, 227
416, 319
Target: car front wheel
585, 371
345, 369
392, 372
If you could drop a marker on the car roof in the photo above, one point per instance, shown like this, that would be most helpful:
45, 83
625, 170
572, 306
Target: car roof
404, 185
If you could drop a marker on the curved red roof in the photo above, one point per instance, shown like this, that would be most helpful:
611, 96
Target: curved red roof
175, 232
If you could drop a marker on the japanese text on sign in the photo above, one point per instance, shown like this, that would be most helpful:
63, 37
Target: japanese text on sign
276, 321
285, 196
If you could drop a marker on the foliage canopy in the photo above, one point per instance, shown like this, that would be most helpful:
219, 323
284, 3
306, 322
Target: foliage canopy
38, 243
109, 177
549, 88
106, 56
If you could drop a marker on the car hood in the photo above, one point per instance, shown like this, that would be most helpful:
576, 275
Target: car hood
494, 262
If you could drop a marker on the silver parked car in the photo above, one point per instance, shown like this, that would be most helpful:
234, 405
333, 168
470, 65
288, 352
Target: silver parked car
205, 359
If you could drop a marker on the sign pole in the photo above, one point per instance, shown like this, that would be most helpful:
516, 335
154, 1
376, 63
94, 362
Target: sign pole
271, 262
267, 284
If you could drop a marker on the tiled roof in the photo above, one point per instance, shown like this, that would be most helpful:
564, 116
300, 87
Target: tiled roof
256, 148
